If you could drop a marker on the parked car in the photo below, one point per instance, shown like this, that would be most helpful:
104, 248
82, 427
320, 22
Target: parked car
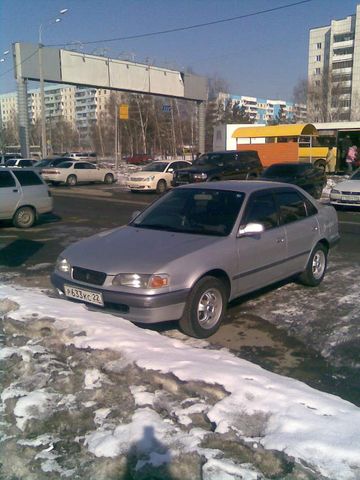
198, 247
305, 175
155, 176
347, 193
9, 156
20, 162
23, 196
228, 165
50, 162
89, 156
140, 159
74, 172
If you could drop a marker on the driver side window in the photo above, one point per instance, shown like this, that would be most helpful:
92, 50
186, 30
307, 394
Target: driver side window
262, 209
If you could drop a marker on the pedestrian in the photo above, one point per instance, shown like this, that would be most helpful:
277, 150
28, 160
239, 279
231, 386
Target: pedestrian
330, 161
345, 144
351, 158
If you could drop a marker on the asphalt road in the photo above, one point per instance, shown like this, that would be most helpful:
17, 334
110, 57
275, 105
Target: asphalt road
28, 257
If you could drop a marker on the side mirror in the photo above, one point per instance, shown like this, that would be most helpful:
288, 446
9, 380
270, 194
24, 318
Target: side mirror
171, 170
250, 229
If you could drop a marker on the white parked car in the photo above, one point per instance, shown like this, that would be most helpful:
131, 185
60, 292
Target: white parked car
73, 172
347, 192
23, 196
156, 175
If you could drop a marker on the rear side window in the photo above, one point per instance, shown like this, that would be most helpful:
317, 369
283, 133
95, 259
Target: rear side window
6, 180
27, 178
292, 207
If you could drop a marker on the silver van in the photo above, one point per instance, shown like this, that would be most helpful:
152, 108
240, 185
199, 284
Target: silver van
23, 196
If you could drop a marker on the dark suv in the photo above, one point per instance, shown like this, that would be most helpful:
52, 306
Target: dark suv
229, 165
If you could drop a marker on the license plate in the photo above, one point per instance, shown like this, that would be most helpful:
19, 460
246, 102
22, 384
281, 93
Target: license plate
86, 295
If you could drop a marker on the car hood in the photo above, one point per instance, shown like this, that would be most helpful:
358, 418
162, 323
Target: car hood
130, 249
348, 186
200, 168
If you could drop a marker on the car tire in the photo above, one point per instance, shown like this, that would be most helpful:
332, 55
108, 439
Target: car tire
205, 308
317, 191
161, 186
71, 180
109, 178
24, 217
316, 266
320, 164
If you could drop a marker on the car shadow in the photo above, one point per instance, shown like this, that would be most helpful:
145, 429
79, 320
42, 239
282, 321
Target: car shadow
18, 252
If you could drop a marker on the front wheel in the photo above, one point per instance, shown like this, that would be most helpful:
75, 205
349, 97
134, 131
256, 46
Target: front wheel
24, 217
71, 180
161, 186
109, 178
316, 266
205, 308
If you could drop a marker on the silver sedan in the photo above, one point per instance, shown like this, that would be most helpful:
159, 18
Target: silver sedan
197, 248
74, 172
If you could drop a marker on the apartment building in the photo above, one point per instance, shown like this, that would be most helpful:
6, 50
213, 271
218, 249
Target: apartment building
80, 106
262, 110
334, 70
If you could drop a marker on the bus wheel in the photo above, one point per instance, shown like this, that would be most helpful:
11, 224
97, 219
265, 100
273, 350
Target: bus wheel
320, 164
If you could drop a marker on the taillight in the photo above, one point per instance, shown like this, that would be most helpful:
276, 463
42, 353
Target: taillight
51, 172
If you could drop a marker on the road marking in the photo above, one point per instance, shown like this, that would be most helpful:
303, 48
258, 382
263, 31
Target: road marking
103, 199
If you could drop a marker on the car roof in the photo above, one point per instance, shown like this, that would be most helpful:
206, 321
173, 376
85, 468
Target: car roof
245, 186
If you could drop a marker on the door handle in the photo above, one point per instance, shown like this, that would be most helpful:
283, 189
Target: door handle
15, 190
280, 240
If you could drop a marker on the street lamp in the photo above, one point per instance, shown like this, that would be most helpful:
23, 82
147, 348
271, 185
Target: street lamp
41, 78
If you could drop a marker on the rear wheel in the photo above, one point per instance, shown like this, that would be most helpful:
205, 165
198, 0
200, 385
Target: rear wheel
71, 180
317, 191
24, 217
109, 178
161, 186
316, 266
320, 164
205, 308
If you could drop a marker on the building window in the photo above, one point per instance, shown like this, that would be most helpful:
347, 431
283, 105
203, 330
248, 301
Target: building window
318, 46
317, 71
317, 83
343, 37
345, 64
318, 58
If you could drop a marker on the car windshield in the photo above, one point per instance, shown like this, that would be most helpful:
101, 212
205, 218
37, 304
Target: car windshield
42, 163
155, 167
281, 171
208, 159
193, 210
356, 175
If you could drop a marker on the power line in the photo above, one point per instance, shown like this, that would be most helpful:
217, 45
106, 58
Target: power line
20, 63
190, 27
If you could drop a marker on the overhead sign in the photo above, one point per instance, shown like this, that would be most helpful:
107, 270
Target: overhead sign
124, 111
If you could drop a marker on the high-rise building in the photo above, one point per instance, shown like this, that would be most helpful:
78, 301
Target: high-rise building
80, 106
334, 70
261, 110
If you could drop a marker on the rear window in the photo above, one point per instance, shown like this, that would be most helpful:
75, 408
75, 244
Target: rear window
27, 178
11, 163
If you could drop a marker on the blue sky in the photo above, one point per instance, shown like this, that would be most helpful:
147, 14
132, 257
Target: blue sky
262, 56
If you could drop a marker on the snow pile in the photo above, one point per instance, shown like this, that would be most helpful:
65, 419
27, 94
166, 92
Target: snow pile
248, 403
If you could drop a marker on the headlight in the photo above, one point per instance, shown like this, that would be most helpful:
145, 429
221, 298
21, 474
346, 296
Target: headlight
149, 179
63, 265
200, 176
141, 280
335, 192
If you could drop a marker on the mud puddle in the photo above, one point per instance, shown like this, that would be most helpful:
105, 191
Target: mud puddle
254, 339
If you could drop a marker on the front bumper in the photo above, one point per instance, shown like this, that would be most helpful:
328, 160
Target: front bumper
137, 308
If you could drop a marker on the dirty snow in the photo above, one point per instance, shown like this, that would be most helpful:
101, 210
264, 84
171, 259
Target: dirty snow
244, 403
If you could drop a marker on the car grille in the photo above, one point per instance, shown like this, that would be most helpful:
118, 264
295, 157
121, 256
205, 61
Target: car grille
88, 276
183, 178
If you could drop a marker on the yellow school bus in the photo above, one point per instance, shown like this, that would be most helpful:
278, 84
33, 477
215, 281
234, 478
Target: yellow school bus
285, 143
